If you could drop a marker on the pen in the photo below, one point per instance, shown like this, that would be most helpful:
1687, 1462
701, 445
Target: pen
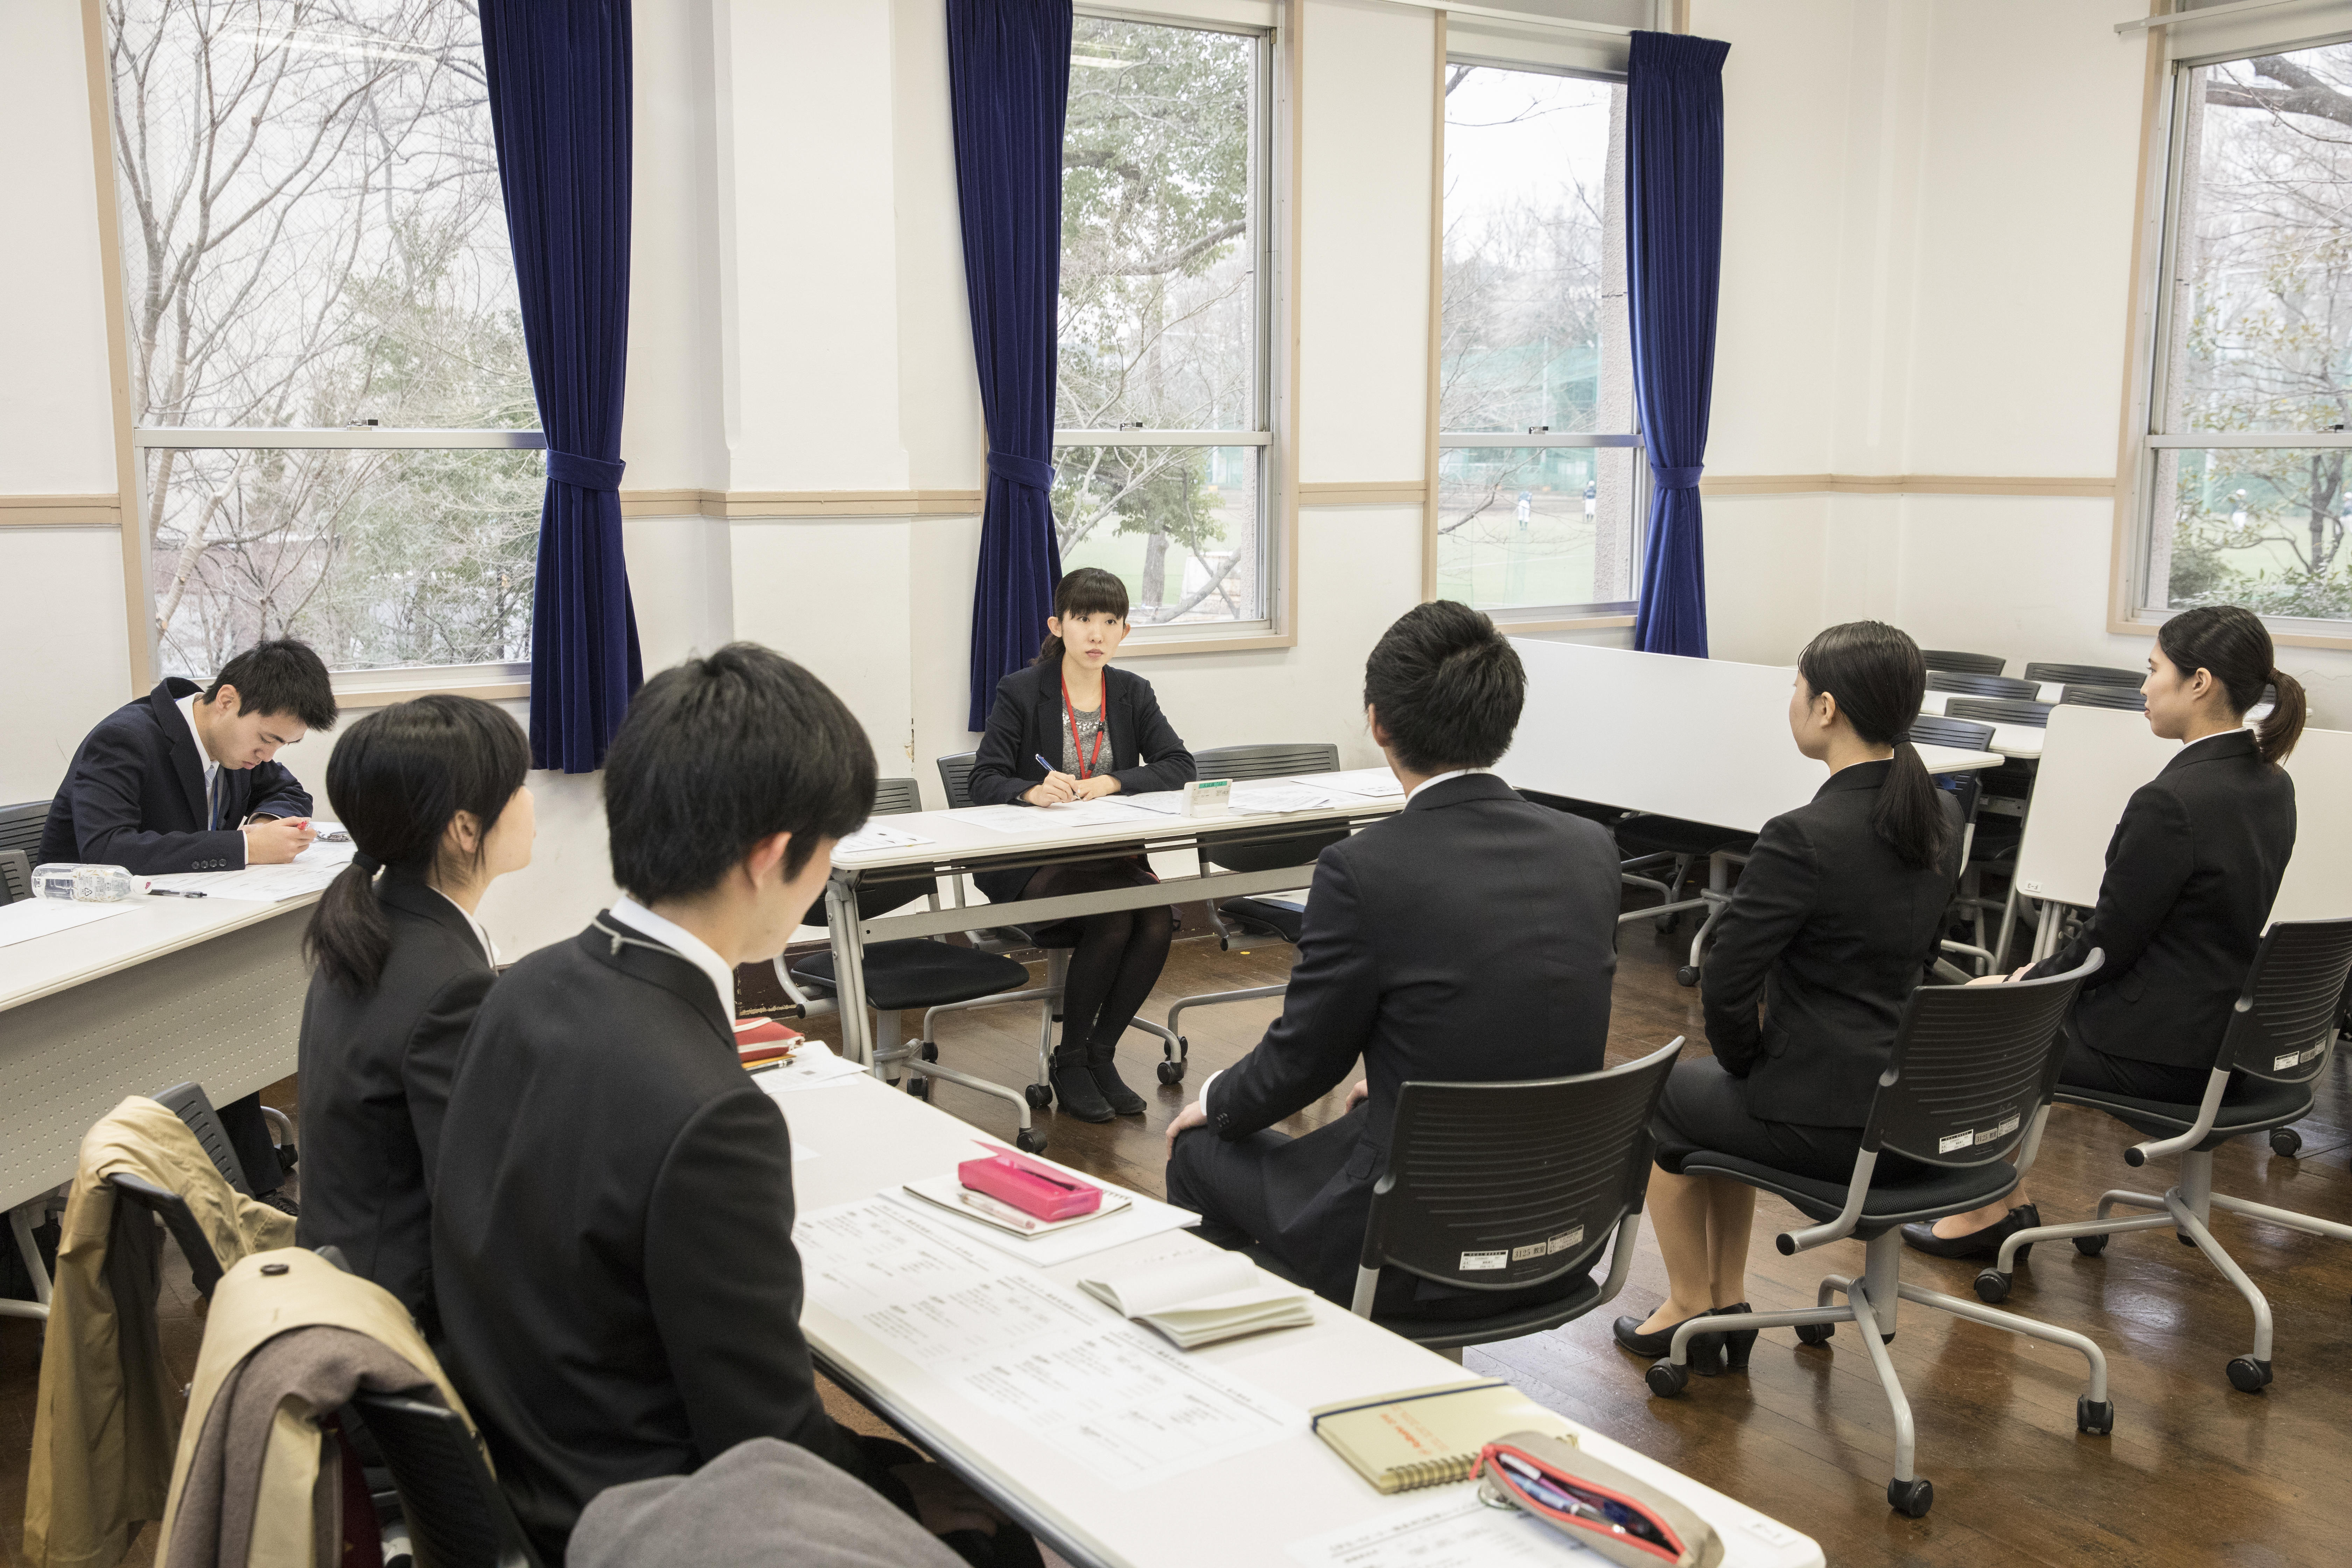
171, 893
1042, 761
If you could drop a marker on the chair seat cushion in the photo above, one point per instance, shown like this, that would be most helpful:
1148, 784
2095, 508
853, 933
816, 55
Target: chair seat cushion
2264, 1105
919, 973
1931, 1196
1674, 836
1443, 1333
1271, 917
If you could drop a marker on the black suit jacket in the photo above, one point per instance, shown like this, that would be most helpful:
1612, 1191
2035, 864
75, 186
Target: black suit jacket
2192, 870
375, 1084
134, 796
1833, 932
1470, 938
613, 1234
1143, 748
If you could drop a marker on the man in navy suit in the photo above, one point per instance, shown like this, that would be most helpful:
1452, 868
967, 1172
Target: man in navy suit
181, 782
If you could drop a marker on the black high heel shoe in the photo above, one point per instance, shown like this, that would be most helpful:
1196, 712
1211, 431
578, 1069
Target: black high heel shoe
1984, 1243
1737, 1343
1706, 1350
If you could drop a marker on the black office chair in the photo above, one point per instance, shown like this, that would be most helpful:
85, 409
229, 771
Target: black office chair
2000, 710
2085, 674
456, 1516
2280, 1038
2130, 699
1981, 685
1966, 1086
21, 826
1963, 663
1510, 1186
16, 876
187, 1101
203, 1263
1990, 846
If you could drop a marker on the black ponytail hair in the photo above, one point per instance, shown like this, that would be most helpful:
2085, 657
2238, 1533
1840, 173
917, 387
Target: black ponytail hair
1088, 591
396, 780
1875, 673
2230, 642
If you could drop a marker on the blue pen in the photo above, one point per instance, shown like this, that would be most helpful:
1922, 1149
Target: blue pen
1042, 761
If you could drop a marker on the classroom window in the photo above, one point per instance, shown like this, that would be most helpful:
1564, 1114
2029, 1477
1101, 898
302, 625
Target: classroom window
329, 387
1162, 404
1540, 475
2247, 499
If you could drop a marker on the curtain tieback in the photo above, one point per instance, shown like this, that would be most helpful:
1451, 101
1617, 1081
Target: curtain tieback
588, 473
1024, 471
1677, 478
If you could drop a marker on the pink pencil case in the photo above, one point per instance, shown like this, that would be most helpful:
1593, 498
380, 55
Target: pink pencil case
1032, 1188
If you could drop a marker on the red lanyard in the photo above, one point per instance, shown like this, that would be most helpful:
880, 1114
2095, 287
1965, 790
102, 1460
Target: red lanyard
1070, 711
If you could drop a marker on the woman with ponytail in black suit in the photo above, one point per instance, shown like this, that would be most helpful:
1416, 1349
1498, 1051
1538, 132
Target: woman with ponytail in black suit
1834, 924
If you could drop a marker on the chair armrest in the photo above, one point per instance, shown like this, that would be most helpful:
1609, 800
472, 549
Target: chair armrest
2207, 1109
1791, 1242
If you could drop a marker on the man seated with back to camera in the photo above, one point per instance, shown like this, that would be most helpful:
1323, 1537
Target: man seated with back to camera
1470, 938
613, 1254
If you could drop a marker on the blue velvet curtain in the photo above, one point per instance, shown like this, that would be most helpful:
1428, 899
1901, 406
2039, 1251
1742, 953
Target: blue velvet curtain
557, 74
1673, 257
1009, 90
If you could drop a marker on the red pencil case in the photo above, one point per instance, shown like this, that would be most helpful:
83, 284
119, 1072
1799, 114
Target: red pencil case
1032, 1188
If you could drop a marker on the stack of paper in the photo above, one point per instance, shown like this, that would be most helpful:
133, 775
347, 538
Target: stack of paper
873, 836
811, 1065
1375, 782
1198, 1300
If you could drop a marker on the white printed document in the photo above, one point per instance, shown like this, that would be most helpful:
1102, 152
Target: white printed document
874, 836
813, 1066
1139, 1217
1452, 1529
29, 918
1111, 811
308, 873
1288, 795
1375, 782
1118, 1402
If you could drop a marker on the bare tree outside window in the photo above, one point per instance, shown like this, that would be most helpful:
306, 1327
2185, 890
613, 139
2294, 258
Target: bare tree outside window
1160, 329
1539, 469
2251, 503
313, 241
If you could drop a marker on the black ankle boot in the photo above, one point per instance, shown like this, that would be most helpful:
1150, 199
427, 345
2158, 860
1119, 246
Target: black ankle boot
1074, 1090
1123, 1100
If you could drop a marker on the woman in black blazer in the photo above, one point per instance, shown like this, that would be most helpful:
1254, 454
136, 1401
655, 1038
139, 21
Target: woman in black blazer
1833, 922
2192, 870
1104, 727
432, 794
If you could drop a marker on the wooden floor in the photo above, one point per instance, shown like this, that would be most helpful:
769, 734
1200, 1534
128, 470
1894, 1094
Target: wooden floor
2196, 1473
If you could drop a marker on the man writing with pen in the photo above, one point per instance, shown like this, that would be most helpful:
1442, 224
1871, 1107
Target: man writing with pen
183, 780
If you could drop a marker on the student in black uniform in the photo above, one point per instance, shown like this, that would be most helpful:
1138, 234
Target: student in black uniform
1832, 926
613, 1254
2192, 870
1105, 728
181, 782
432, 794
1470, 938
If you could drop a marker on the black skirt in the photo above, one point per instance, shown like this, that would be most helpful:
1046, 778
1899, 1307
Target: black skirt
1705, 1108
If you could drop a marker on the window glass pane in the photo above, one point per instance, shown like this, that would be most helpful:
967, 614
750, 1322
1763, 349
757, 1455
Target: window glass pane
1534, 329
312, 227
374, 557
2261, 320
2260, 527
1160, 242
1535, 525
1181, 526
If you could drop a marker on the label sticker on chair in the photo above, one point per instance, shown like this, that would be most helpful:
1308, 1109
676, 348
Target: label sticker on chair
1953, 1143
1560, 1243
2296, 1059
1471, 1261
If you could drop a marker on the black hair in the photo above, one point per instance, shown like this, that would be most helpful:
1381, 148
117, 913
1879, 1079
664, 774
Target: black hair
2230, 642
1088, 591
281, 676
1447, 686
396, 780
720, 753
1875, 673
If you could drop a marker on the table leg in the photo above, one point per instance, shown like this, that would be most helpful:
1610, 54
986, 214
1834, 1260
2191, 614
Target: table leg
21, 1220
848, 970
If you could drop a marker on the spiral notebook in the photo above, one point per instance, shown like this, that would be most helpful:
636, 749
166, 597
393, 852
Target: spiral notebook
1428, 1436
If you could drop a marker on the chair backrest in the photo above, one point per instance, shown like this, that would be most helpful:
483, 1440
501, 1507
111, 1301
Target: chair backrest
21, 826
1966, 788
187, 1101
1929, 730
1267, 762
2284, 1025
894, 796
203, 1263
1965, 663
1499, 1187
456, 1516
2000, 710
2130, 699
1981, 685
955, 778
16, 876
2085, 674
1971, 1066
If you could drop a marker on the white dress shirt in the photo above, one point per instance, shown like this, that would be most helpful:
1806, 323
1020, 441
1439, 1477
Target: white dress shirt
669, 933
490, 951
187, 707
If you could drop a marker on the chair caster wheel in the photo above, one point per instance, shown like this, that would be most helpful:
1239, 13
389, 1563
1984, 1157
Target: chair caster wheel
2183, 1237
2095, 1417
919, 1086
1913, 1498
2285, 1142
930, 1052
2247, 1375
2090, 1245
1668, 924
1992, 1287
1029, 1141
1687, 976
1038, 1095
1171, 1072
1666, 1380
1815, 1333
